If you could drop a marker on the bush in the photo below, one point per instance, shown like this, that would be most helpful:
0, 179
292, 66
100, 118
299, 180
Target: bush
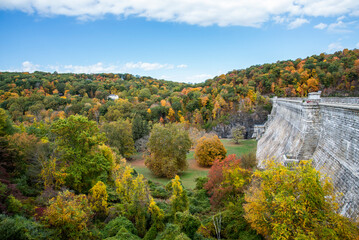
168, 146
188, 223
151, 233
124, 234
20, 228
114, 225
172, 231
249, 161
14, 205
98, 199
209, 149
199, 202
200, 182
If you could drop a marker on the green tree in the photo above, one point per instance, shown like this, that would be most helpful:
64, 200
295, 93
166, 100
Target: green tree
5, 123
295, 202
238, 133
79, 147
140, 127
168, 146
119, 135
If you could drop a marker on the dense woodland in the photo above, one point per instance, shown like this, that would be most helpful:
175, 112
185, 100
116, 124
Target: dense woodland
65, 148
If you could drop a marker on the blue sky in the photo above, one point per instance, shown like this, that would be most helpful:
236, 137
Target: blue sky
187, 41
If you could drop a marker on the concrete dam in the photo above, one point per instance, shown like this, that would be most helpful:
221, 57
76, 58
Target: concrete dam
325, 130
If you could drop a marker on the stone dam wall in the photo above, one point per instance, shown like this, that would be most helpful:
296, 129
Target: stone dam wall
323, 129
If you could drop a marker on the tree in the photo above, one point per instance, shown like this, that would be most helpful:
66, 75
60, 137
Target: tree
168, 146
295, 202
69, 214
98, 199
119, 135
179, 199
238, 133
208, 149
5, 123
80, 150
140, 127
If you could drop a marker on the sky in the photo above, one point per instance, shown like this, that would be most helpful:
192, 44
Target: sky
177, 40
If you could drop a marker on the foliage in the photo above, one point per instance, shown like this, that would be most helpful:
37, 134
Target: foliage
78, 144
123, 233
119, 135
68, 214
188, 223
238, 133
199, 202
200, 182
157, 215
20, 228
168, 146
98, 199
6, 127
226, 179
295, 203
14, 205
179, 199
249, 160
113, 226
209, 149
172, 231
140, 127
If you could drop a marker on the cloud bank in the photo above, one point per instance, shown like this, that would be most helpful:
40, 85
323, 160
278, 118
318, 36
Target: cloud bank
198, 12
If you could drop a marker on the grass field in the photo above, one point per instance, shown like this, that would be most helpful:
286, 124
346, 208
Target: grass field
188, 177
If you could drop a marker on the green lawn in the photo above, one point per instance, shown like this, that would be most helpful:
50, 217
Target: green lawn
188, 177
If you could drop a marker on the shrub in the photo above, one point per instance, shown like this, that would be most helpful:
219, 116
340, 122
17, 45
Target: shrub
20, 228
199, 202
14, 205
116, 224
122, 234
168, 146
209, 149
172, 231
188, 223
249, 161
200, 182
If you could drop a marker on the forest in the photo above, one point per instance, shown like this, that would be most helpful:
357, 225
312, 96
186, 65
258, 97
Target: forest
68, 143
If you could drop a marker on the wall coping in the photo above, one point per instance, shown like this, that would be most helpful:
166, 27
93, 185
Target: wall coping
336, 105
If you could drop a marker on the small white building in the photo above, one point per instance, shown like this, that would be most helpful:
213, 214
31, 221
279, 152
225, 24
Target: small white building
112, 97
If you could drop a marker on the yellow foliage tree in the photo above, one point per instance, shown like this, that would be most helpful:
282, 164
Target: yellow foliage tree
69, 214
295, 202
179, 199
208, 149
98, 199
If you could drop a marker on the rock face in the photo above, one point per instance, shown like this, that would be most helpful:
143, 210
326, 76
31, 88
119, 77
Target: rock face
323, 129
248, 120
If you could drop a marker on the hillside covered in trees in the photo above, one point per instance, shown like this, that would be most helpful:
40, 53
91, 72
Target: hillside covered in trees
66, 140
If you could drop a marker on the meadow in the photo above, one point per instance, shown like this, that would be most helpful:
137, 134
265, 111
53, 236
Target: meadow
194, 171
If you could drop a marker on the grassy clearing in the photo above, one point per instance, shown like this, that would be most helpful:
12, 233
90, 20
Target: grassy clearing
188, 177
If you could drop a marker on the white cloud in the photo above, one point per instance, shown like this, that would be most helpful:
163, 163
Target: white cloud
198, 78
333, 47
147, 66
29, 67
200, 12
99, 67
339, 27
182, 66
321, 26
297, 23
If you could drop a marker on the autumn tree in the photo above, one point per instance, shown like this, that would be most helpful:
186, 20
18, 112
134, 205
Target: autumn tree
98, 199
168, 145
238, 133
5, 123
119, 136
208, 149
69, 215
140, 127
179, 199
295, 202
79, 149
